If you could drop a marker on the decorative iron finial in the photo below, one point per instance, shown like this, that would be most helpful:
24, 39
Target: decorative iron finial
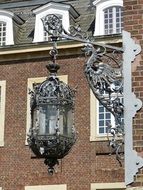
53, 67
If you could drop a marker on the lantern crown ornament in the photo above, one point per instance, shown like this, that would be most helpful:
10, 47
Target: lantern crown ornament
52, 132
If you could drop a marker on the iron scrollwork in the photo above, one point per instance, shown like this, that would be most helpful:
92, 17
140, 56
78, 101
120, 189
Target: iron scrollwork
103, 71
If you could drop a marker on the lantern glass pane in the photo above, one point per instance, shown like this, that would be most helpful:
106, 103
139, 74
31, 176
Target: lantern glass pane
65, 121
47, 119
35, 118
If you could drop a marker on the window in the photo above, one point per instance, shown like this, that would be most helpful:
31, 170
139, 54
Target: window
2, 33
109, 17
113, 20
100, 118
50, 8
6, 28
2, 110
104, 118
108, 186
47, 187
31, 82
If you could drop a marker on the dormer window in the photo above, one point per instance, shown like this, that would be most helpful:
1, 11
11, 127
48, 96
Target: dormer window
6, 27
109, 17
64, 11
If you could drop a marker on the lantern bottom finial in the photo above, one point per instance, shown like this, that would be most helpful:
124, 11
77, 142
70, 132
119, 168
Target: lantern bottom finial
51, 162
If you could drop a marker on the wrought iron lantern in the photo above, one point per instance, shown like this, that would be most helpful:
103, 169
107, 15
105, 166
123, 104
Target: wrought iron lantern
52, 133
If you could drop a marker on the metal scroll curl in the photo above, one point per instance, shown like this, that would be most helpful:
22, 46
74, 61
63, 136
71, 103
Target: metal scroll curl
103, 71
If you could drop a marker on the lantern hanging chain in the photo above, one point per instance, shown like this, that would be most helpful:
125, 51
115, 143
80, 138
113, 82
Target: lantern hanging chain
54, 52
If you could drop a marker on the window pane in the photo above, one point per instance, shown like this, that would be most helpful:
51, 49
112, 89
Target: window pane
108, 115
110, 21
101, 123
101, 130
101, 109
117, 20
101, 116
110, 15
47, 119
106, 21
110, 10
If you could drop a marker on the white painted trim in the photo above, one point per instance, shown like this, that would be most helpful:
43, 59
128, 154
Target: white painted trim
2, 111
51, 5
6, 16
135, 188
30, 83
39, 49
6, 13
108, 186
99, 19
93, 117
47, 187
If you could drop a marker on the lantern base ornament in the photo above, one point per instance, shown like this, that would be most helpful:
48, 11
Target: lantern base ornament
51, 162
51, 148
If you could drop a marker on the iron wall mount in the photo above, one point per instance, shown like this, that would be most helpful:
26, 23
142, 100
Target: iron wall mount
131, 105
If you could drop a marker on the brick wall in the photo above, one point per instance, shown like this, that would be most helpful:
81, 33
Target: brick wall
133, 22
78, 169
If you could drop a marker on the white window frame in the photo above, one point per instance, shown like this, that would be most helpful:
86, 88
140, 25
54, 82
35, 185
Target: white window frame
94, 115
47, 187
50, 8
94, 120
108, 186
2, 111
7, 17
100, 6
30, 83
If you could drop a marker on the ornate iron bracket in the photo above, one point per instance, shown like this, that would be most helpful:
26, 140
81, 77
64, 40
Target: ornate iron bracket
105, 67
132, 161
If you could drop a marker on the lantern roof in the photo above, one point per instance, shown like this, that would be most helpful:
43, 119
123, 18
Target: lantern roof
52, 90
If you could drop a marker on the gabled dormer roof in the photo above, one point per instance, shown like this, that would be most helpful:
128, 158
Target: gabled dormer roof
59, 6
